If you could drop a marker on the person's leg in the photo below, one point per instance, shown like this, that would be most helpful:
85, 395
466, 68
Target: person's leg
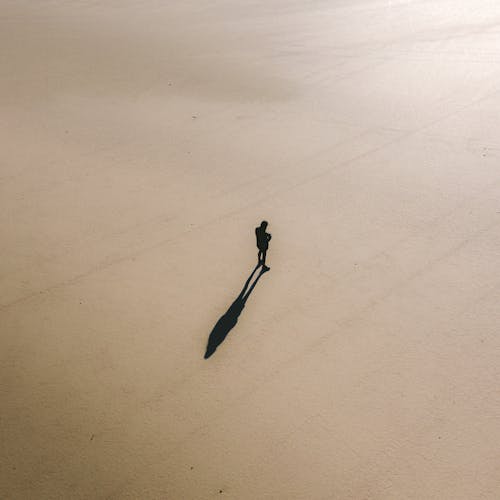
259, 257
266, 268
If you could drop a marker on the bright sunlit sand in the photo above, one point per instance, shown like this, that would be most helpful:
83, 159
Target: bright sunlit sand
142, 143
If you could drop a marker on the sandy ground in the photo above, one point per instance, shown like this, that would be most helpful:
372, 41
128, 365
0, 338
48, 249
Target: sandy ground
142, 142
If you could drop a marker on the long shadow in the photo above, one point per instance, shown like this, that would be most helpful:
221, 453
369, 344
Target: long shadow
228, 321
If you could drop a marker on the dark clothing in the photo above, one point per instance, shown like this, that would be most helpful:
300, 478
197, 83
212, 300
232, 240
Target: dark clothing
262, 238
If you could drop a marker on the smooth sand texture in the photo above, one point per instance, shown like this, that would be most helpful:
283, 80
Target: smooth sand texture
142, 142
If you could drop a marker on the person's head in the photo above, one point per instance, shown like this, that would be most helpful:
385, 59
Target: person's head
263, 224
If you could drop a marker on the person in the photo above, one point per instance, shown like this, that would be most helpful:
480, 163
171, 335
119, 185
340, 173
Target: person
263, 239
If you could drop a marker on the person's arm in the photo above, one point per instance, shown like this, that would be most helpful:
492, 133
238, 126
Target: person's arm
268, 237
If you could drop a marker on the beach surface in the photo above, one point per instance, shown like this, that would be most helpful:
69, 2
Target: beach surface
142, 143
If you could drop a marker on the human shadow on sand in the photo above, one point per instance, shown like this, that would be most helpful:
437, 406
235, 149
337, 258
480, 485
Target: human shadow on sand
228, 321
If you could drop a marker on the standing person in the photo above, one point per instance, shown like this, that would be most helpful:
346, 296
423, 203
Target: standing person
263, 239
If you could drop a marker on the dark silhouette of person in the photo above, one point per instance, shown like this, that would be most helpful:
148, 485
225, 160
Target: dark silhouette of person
263, 240
228, 321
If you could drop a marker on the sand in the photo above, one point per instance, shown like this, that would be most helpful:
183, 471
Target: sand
142, 143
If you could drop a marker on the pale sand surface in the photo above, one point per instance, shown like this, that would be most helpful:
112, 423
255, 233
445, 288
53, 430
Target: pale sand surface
142, 142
